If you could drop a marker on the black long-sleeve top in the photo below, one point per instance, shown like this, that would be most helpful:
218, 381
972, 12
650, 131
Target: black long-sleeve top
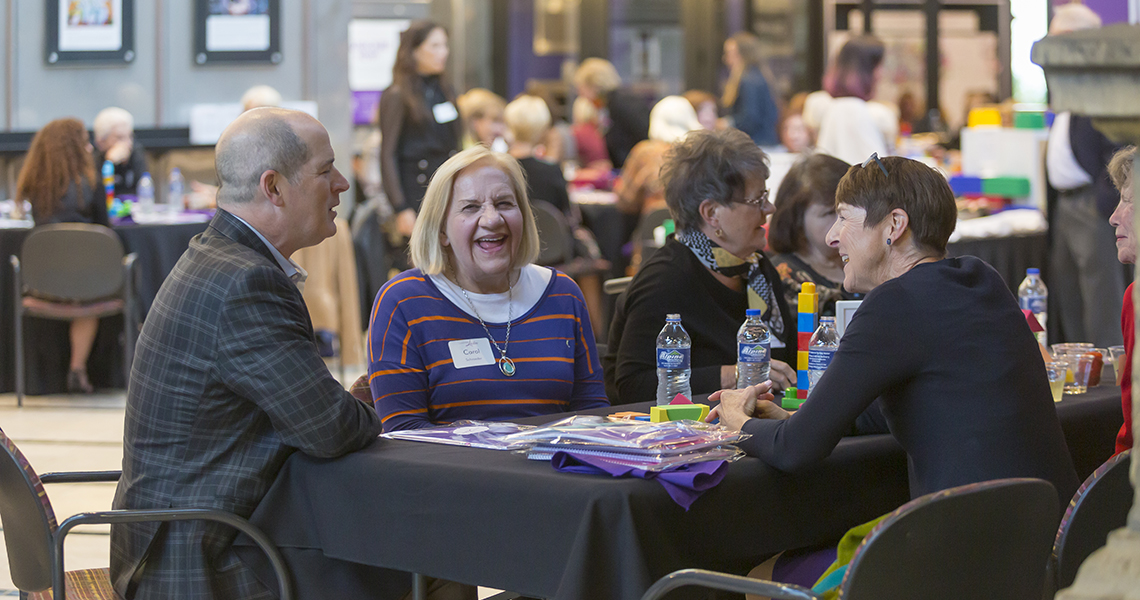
411, 151
81, 203
962, 382
127, 173
673, 280
629, 124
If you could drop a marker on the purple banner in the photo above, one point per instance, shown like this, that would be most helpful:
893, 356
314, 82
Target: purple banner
364, 106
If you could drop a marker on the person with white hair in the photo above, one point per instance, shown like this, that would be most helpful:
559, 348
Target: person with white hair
528, 120
115, 141
260, 96
1087, 283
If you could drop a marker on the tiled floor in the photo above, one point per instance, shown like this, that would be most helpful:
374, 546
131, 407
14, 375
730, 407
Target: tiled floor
74, 433
69, 433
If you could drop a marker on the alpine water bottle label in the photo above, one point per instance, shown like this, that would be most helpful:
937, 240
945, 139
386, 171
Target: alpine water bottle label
672, 358
1034, 305
819, 359
752, 353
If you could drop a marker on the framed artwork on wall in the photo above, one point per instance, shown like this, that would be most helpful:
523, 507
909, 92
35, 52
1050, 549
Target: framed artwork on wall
227, 31
89, 31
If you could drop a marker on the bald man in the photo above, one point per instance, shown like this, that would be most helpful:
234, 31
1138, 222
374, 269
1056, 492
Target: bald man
227, 381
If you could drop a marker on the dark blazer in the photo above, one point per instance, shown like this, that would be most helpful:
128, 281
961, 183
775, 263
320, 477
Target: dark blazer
226, 384
629, 124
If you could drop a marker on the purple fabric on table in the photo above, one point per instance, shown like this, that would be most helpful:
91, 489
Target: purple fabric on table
684, 484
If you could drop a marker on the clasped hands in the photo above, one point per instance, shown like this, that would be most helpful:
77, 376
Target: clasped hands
737, 406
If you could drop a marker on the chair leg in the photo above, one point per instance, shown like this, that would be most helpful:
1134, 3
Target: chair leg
419, 586
19, 327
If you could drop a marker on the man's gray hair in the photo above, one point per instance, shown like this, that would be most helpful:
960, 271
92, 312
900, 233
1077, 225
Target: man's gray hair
269, 145
111, 117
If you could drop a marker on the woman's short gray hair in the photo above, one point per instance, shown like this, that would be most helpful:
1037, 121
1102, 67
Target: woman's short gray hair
709, 165
428, 253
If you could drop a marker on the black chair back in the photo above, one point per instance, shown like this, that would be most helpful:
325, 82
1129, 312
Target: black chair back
986, 540
556, 242
72, 261
27, 518
1099, 506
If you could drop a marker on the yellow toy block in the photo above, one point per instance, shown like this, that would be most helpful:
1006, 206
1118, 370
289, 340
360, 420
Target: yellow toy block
678, 412
802, 360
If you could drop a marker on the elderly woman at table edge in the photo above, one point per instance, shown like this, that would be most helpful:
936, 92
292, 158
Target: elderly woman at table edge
710, 271
476, 331
1120, 170
58, 179
940, 339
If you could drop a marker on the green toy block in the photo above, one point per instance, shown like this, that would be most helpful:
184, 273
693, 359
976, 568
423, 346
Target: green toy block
678, 412
1006, 187
790, 401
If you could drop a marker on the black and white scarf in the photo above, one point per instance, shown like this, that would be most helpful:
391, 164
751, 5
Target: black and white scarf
760, 293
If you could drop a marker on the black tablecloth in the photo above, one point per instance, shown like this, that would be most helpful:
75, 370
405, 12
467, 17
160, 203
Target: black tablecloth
494, 518
46, 342
1009, 255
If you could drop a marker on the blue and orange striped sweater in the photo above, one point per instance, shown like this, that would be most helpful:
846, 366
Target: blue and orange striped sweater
415, 383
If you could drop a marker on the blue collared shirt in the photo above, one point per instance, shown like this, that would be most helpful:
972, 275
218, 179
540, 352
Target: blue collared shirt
293, 270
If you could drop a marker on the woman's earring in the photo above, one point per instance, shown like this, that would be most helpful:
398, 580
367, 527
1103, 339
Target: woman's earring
719, 232
888, 241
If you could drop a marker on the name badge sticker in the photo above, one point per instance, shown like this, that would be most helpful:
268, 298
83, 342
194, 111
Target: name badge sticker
475, 352
445, 112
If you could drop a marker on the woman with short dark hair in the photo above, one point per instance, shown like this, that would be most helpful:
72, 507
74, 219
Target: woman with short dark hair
798, 232
940, 340
710, 271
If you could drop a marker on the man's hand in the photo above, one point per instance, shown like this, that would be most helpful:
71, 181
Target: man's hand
782, 375
727, 377
119, 152
405, 220
737, 406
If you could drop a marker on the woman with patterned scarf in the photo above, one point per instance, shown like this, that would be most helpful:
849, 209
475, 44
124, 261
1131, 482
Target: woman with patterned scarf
710, 272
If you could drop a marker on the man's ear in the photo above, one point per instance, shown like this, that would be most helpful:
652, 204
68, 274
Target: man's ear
270, 185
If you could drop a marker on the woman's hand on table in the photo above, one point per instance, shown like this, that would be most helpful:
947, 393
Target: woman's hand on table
737, 406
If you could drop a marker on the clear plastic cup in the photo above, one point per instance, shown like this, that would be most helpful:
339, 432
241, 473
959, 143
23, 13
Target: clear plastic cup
1117, 356
1057, 372
1082, 366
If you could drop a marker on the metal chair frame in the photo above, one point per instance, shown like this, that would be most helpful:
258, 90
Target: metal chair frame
1028, 506
14, 496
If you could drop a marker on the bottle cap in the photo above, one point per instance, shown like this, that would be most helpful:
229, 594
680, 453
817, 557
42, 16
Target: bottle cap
827, 319
1033, 271
673, 317
754, 312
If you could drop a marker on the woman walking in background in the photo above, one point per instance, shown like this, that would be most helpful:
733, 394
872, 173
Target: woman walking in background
746, 94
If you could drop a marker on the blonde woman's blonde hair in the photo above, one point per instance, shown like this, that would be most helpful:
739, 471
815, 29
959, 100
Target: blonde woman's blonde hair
527, 119
428, 252
478, 103
1120, 168
597, 74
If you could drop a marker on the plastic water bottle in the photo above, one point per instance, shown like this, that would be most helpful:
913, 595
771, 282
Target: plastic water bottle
1033, 296
144, 204
673, 371
753, 350
821, 349
174, 197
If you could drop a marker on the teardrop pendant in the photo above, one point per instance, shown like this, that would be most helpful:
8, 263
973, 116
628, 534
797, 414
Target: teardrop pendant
507, 366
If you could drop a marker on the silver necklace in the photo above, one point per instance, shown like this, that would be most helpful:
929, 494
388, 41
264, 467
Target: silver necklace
506, 365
